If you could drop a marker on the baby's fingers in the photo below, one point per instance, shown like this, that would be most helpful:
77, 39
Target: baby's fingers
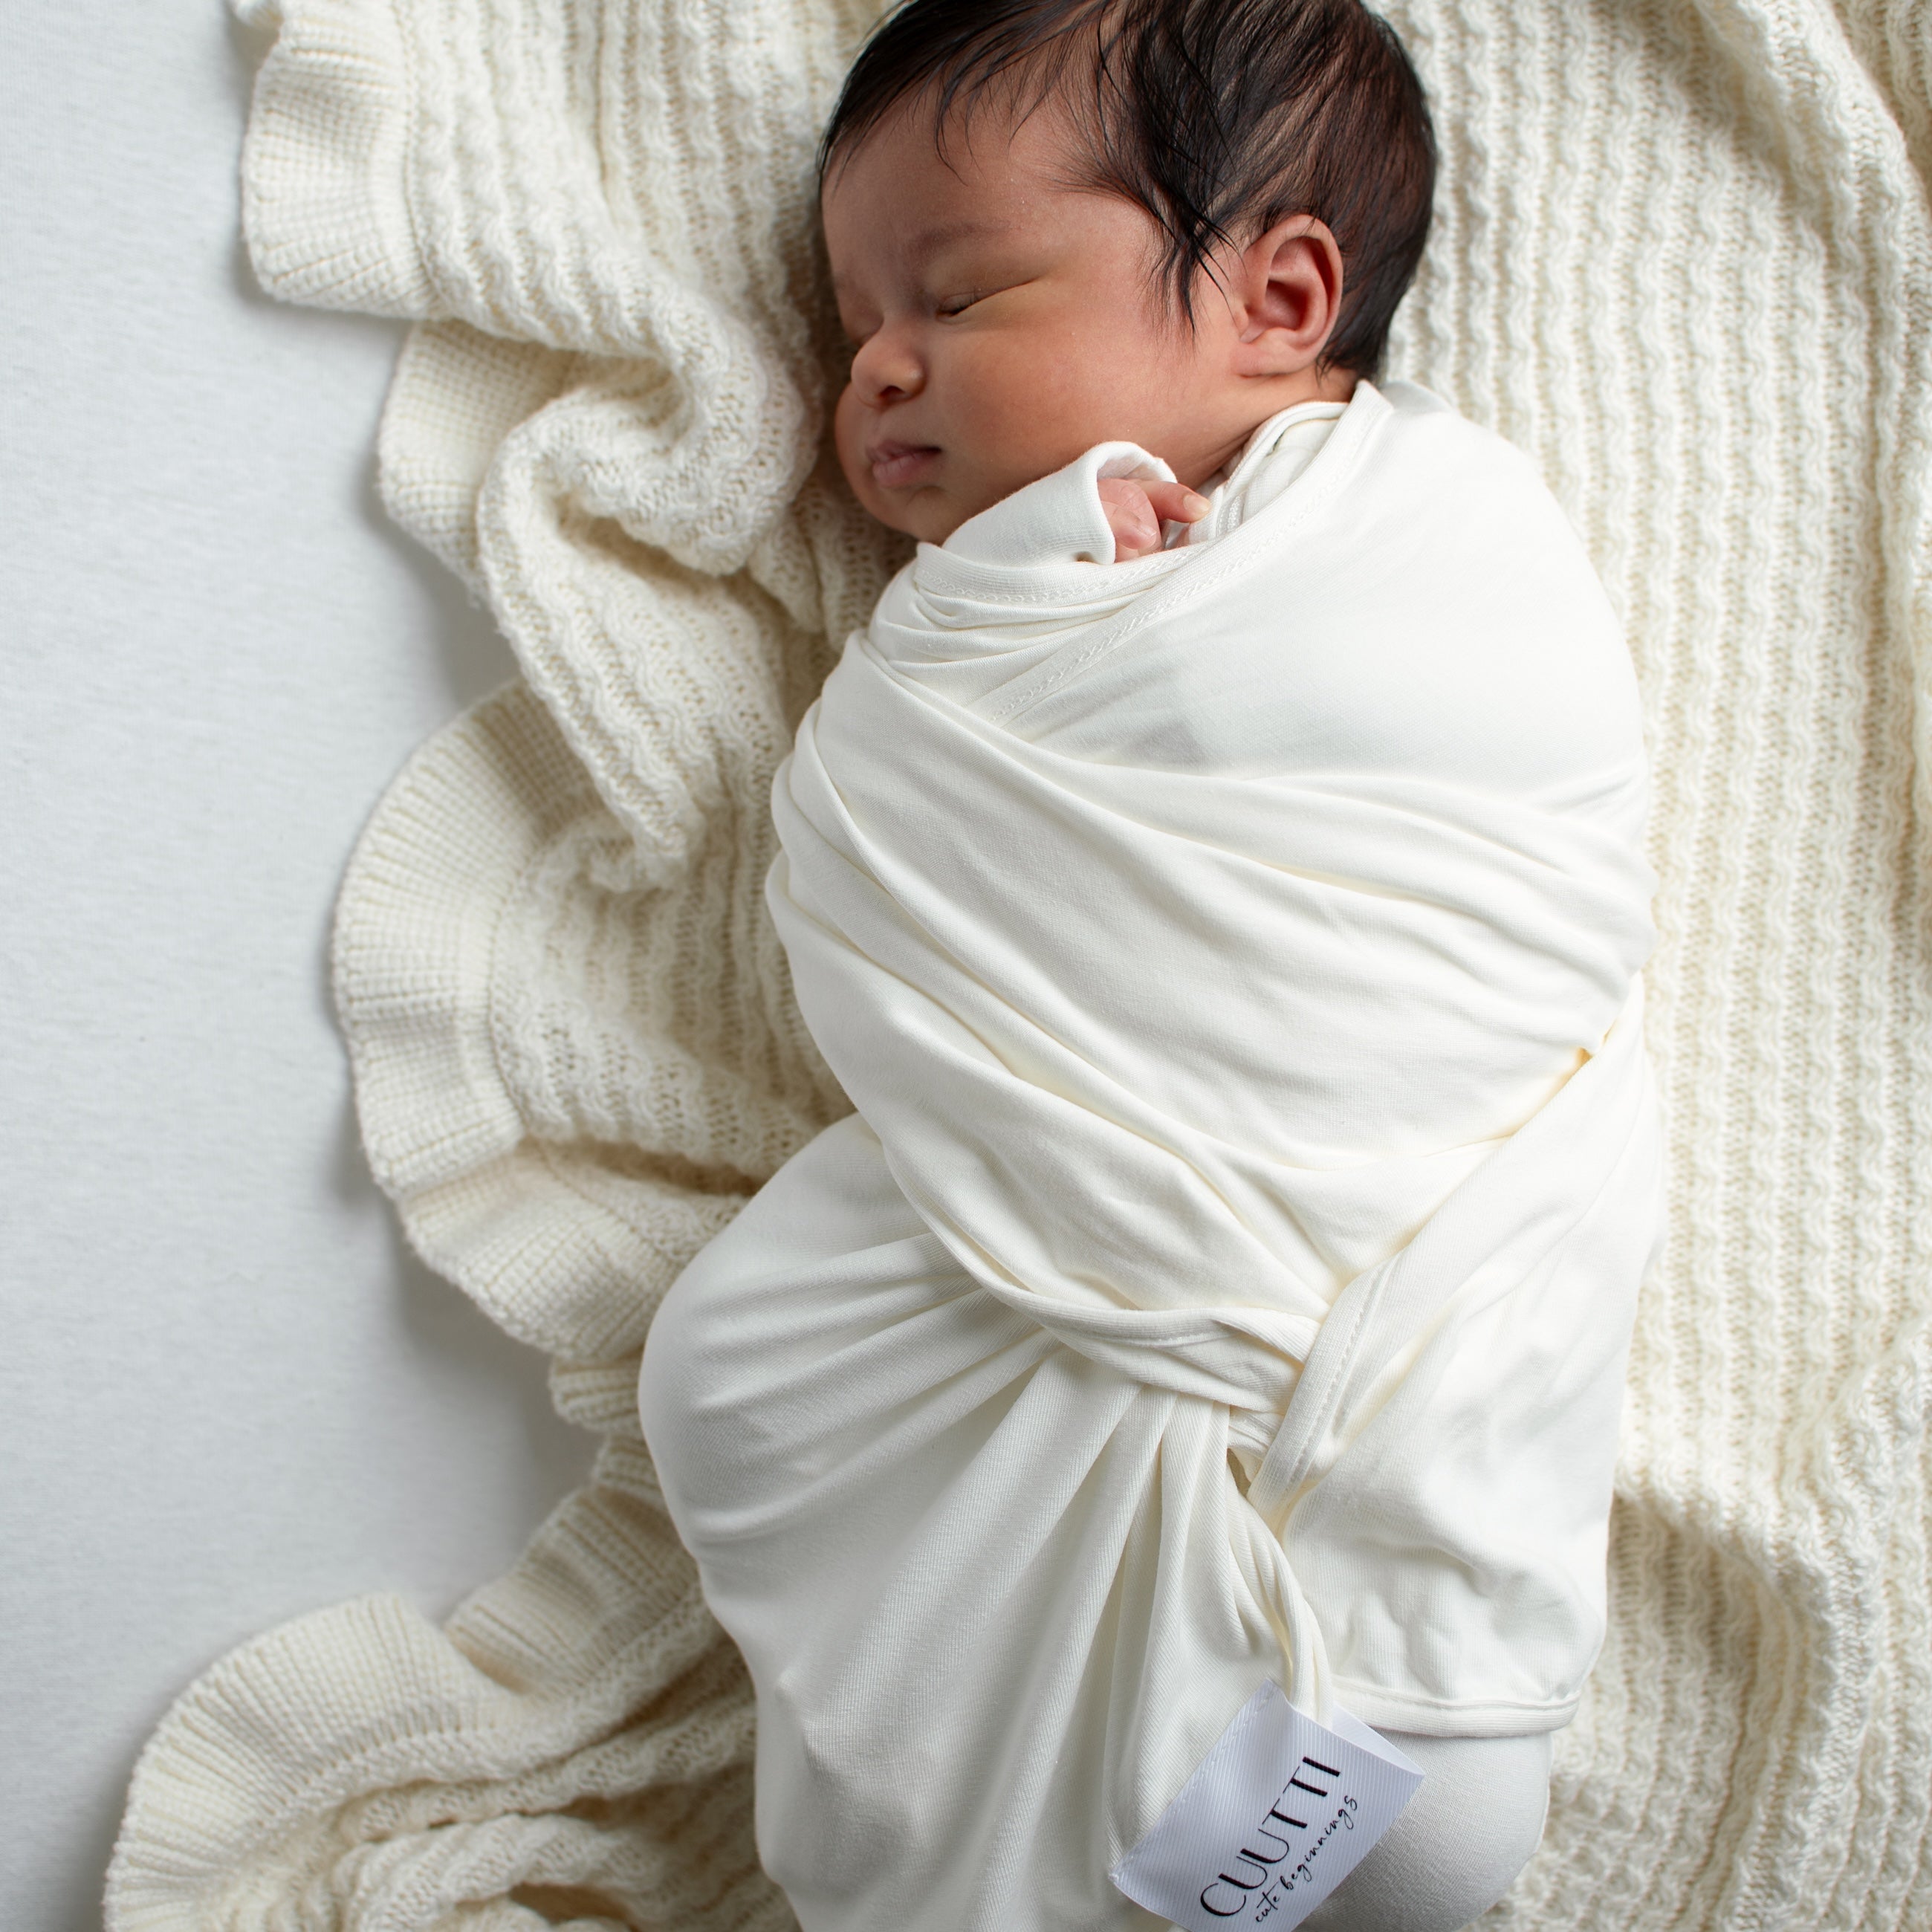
1175, 503
1130, 517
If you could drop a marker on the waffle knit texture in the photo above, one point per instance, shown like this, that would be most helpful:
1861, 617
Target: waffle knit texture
1682, 258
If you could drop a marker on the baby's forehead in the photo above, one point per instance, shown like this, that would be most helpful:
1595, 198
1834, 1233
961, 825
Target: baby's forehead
927, 183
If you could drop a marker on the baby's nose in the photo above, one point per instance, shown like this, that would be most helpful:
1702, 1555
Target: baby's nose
885, 370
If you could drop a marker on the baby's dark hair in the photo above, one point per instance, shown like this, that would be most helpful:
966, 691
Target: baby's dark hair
1220, 118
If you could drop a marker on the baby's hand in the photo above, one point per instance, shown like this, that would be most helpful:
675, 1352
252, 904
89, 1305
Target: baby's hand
1135, 511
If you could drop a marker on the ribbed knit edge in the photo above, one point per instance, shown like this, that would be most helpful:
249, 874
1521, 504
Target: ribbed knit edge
325, 202
212, 1757
507, 1218
370, 1695
415, 937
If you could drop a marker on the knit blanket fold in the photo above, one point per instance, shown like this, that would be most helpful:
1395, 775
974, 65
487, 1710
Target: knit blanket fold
1682, 258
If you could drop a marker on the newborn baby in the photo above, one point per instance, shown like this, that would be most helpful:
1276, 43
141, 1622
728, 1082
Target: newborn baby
1215, 876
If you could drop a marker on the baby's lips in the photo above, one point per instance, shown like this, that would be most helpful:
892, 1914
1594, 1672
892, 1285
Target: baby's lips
894, 465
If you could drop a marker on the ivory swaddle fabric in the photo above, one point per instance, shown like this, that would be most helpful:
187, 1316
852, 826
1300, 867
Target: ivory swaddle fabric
1681, 259
1232, 957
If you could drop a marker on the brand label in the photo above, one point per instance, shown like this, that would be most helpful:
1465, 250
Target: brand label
1279, 1812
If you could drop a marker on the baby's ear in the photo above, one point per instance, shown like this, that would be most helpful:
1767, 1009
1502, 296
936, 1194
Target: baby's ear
1290, 293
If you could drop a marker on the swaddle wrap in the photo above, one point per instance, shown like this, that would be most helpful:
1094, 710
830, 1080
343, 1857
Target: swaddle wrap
1232, 956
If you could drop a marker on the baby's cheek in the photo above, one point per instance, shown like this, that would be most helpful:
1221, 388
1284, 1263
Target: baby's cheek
1028, 410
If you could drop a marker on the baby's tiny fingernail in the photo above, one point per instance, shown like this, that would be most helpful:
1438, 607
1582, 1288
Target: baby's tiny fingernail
1195, 504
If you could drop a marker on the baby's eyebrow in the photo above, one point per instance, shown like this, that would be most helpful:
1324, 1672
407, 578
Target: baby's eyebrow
924, 243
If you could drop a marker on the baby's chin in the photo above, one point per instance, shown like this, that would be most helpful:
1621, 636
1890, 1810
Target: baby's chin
930, 513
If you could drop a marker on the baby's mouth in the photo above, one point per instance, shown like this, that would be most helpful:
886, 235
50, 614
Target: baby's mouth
896, 465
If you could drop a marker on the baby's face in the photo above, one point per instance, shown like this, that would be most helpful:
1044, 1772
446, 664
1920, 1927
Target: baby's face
1005, 322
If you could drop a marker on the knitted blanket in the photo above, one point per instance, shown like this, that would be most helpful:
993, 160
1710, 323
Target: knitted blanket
1682, 258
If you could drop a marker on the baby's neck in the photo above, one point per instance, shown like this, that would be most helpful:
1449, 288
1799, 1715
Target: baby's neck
1201, 468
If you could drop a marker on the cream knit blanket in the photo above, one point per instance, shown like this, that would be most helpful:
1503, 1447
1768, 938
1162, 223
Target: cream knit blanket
1683, 258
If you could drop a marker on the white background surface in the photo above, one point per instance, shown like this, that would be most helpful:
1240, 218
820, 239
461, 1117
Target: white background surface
227, 1395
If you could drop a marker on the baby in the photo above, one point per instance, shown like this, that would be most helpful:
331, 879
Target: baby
1215, 874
